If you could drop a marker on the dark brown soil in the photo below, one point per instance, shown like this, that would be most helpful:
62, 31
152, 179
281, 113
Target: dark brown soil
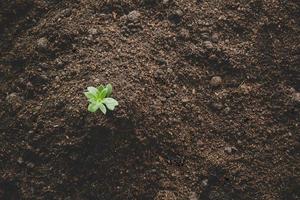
178, 133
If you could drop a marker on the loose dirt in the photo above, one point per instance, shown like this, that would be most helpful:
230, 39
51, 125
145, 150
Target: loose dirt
208, 94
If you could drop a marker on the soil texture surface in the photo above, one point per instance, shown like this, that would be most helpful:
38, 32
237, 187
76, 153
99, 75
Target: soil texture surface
208, 91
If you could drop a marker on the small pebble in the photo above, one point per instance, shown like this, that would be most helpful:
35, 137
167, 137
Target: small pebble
44, 77
165, 2
227, 110
184, 33
30, 165
37, 108
92, 31
178, 13
67, 12
205, 35
246, 89
230, 149
14, 100
163, 99
44, 66
134, 16
205, 182
208, 45
216, 81
42, 43
214, 37
217, 106
296, 96
169, 70
193, 196
60, 64
185, 100
20, 160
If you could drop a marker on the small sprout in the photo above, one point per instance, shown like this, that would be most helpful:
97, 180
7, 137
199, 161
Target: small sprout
99, 98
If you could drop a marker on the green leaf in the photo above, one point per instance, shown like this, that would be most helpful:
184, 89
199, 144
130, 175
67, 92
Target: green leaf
102, 108
102, 94
100, 88
110, 103
92, 90
109, 89
92, 100
93, 107
89, 95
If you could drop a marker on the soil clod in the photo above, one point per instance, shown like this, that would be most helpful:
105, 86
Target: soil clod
14, 101
216, 81
42, 43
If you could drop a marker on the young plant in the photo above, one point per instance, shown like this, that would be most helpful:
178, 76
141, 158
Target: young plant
99, 98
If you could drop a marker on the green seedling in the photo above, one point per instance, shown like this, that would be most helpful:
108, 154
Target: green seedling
99, 98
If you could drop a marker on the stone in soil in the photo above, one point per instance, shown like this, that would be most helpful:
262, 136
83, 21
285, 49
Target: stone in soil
184, 33
42, 43
185, 100
193, 196
296, 96
20, 160
165, 1
230, 150
216, 81
208, 45
214, 37
14, 100
93, 31
217, 106
227, 110
134, 16
205, 182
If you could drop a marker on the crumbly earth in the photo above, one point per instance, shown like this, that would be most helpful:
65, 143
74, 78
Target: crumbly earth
208, 92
